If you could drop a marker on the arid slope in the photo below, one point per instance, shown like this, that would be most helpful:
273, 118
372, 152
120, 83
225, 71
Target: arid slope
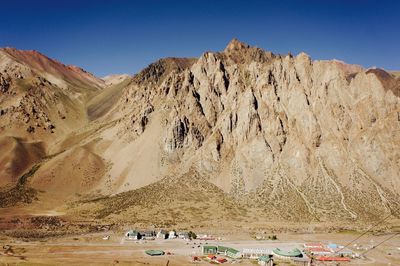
297, 138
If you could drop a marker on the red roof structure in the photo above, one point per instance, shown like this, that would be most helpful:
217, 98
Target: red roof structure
211, 256
323, 258
318, 250
313, 245
206, 238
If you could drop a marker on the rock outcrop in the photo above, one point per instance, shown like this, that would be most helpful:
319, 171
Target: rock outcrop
321, 135
306, 139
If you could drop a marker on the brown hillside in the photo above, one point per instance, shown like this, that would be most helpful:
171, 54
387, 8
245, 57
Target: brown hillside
16, 157
295, 138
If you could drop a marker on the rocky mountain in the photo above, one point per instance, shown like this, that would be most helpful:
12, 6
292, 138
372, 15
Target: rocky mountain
297, 138
42, 95
41, 100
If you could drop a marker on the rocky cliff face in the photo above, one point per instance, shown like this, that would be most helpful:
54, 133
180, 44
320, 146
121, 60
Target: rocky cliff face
312, 138
302, 138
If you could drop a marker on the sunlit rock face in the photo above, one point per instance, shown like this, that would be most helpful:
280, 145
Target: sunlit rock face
306, 138
320, 135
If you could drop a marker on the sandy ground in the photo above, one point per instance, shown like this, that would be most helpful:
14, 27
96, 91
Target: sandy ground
91, 249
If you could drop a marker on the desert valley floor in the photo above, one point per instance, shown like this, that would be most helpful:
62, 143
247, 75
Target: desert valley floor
91, 249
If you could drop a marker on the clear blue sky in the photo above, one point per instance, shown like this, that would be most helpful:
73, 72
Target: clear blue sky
107, 37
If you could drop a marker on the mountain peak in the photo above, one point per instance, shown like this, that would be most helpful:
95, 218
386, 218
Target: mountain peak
236, 45
241, 52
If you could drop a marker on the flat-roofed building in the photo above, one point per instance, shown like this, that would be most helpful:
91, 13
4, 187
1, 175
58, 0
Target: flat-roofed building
210, 250
265, 260
233, 253
313, 245
319, 251
132, 235
255, 253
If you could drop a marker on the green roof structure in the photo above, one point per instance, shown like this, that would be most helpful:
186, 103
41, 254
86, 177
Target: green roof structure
222, 249
290, 254
264, 258
232, 250
210, 250
153, 252
233, 253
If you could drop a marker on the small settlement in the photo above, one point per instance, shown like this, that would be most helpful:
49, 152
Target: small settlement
152, 235
311, 251
329, 252
216, 253
305, 256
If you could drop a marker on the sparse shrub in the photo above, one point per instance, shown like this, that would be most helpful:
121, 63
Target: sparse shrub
192, 235
273, 237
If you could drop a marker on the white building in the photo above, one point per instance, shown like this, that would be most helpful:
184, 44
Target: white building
162, 234
255, 253
183, 235
171, 234
132, 235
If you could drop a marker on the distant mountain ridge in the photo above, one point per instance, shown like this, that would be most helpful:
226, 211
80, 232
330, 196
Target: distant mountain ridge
39, 62
302, 139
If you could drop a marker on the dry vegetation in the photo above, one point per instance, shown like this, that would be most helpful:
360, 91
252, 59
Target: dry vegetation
21, 193
170, 201
191, 201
